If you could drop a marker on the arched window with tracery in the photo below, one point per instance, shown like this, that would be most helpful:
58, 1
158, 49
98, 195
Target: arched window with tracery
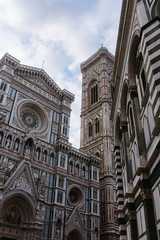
96, 126
89, 129
94, 93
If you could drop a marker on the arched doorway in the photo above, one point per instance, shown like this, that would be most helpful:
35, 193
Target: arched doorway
74, 235
18, 219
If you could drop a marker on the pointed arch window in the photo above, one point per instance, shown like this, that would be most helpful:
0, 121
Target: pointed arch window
89, 129
62, 161
95, 177
94, 93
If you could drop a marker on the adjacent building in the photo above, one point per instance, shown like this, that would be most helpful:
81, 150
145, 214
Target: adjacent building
96, 133
48, 189
136, 120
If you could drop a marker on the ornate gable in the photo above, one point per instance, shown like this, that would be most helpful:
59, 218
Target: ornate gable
21, 180
75, 222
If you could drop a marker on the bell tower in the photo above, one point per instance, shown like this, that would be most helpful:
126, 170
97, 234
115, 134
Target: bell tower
96, 132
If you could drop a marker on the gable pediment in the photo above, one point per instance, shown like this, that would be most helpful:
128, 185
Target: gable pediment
22, 181
40, 78
75, 222
43, 81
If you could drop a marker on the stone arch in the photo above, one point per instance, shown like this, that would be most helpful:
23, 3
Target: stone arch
18, 210
22, 202
132, 58
155, 10
75, 235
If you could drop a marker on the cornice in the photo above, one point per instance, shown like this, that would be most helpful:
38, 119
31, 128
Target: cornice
76, 153
102, 52
36, 73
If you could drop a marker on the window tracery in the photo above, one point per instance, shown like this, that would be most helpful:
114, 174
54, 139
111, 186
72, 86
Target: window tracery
94, 93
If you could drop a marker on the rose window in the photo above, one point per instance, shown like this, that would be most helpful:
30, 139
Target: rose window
76, 196
32, 117
29, 118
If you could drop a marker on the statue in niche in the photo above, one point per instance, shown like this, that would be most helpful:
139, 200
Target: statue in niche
37, 153
8, 142
58, 227
52, 159
39, 211
96, 234
27, 150
44, 157
16, 145
71, 167
77, 170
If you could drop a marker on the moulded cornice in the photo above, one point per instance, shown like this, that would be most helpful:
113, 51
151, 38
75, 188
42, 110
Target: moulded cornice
102, 52
37, 73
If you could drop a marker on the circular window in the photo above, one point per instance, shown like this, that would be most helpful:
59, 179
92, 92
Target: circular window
29, 118
76, 196
32, 117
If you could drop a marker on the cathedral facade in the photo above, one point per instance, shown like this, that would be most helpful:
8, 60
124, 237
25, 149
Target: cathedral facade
96, 133
136, 120
48, 189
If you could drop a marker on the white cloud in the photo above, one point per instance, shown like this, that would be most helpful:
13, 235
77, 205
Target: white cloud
62, 33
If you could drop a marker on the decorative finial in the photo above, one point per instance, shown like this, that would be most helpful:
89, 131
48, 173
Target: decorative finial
101, 45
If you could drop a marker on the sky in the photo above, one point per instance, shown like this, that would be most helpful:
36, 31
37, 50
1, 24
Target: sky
58, 35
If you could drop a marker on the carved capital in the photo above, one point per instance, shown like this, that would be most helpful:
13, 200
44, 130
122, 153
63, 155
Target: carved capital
146, 193
131, 215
